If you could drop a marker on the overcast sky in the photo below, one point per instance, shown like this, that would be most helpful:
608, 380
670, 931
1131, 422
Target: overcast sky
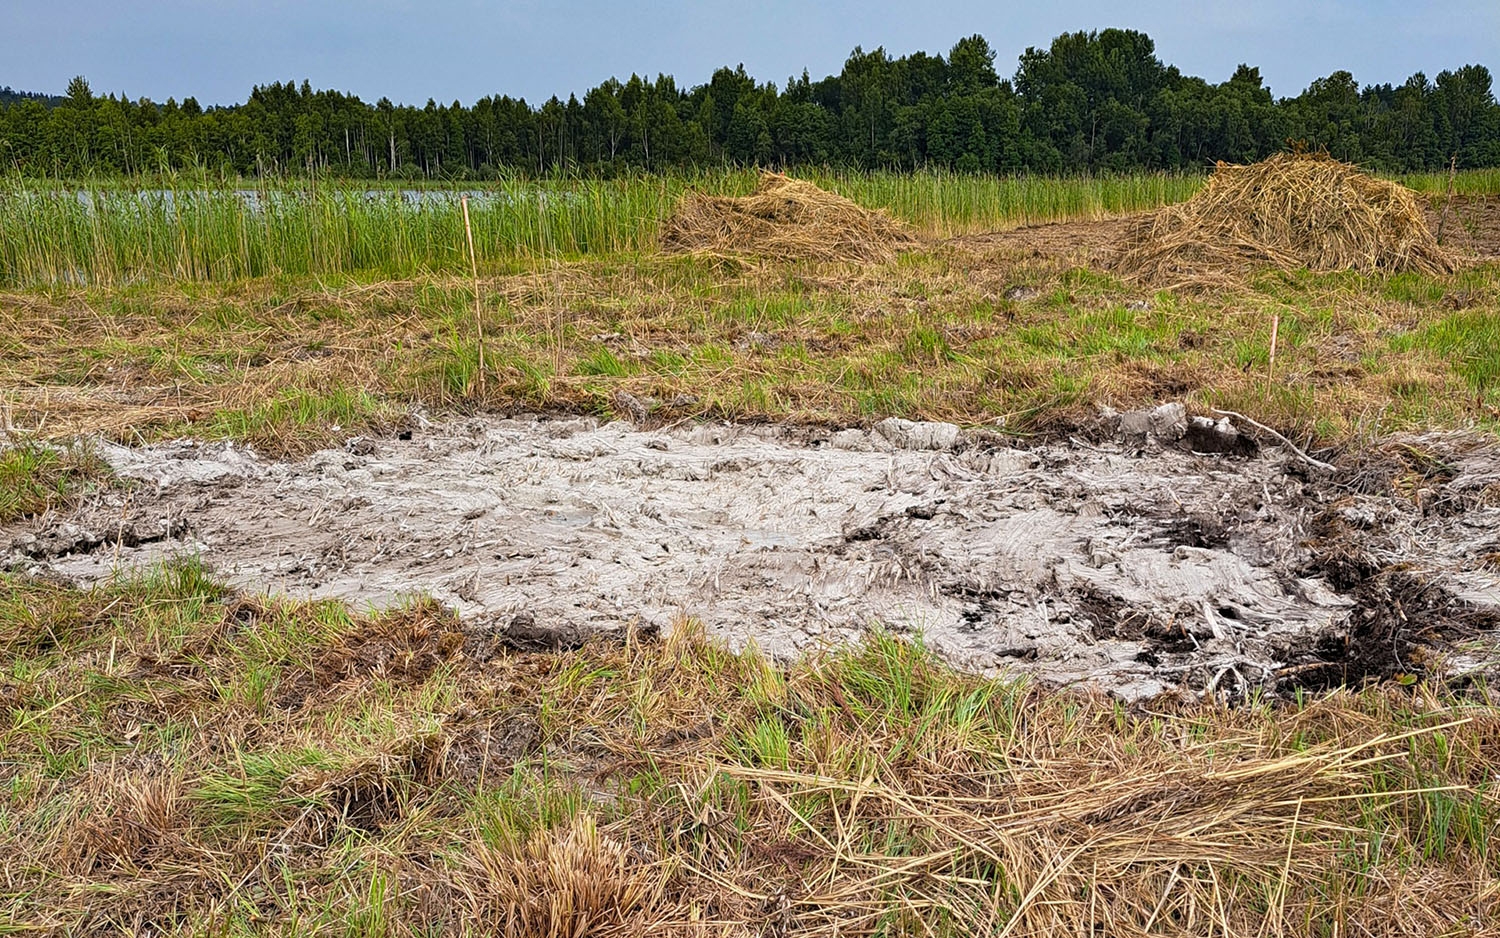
412, 50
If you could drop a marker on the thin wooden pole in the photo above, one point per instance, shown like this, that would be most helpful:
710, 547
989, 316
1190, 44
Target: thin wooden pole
474, 270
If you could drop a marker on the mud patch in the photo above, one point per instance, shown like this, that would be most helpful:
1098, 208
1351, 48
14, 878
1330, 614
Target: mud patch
1398, 618
1470, 226
1128, 564
62, 539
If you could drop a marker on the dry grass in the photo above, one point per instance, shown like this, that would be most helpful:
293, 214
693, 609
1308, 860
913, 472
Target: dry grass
939, 335
1018, 331
1290, 211
563, 883
786, 219
181, 759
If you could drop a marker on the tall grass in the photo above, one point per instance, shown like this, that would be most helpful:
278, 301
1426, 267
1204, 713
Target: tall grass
109, 233
108, 236
949, 204
1468, 182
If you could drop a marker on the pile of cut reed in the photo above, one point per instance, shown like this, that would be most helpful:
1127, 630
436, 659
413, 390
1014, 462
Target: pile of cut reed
784, 218
1291, 211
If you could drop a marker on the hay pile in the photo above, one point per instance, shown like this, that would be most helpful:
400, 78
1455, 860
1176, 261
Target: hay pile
1291, 211
783, 218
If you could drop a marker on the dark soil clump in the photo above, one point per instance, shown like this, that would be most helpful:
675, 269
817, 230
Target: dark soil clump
1398, 618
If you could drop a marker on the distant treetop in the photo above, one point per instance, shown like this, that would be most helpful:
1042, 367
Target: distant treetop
1088, 102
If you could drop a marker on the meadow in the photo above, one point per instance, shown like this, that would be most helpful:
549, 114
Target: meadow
181, 757
134, 315
108, 233
184, 759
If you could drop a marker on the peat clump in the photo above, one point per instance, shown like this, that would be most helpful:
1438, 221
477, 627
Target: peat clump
1398, 619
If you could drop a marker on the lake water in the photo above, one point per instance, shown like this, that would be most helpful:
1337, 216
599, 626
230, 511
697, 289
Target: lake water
257, 199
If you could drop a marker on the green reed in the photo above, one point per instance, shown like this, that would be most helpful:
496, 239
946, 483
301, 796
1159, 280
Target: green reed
1468, 182
948, 203
108, 235
111, 232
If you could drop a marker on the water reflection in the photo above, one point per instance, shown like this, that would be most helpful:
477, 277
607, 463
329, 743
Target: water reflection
258, 199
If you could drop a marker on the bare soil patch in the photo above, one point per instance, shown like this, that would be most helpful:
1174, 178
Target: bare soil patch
1470, 227
1088, 243
1136, 564
1470, 231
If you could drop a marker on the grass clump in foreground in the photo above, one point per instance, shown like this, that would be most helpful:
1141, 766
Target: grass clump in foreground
182, 758
35, 477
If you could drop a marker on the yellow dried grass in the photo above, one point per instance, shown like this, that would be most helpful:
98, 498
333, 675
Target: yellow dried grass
564, 883
1291, 211
1158, 850
125, 820
785, 219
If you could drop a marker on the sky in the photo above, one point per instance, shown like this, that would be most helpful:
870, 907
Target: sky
412, 50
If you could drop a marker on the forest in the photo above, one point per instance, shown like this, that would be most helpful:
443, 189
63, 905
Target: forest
1089, 102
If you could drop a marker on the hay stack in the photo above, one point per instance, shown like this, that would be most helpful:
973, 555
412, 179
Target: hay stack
783, 218
1290, 211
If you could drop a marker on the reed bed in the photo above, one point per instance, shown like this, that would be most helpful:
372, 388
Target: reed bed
949, 204
108, 234
1470, 182
112, 232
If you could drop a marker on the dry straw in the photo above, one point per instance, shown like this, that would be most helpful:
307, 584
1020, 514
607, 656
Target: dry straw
784, 218
1291, 211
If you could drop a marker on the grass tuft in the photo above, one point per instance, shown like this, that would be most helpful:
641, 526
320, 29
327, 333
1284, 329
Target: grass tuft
36, 477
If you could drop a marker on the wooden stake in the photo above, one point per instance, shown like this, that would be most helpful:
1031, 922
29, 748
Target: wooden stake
474, 270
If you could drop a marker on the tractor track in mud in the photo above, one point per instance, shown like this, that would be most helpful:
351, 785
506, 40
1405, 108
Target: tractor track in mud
1130, 563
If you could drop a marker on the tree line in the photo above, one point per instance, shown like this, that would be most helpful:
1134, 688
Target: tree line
1089, 102
9, 95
